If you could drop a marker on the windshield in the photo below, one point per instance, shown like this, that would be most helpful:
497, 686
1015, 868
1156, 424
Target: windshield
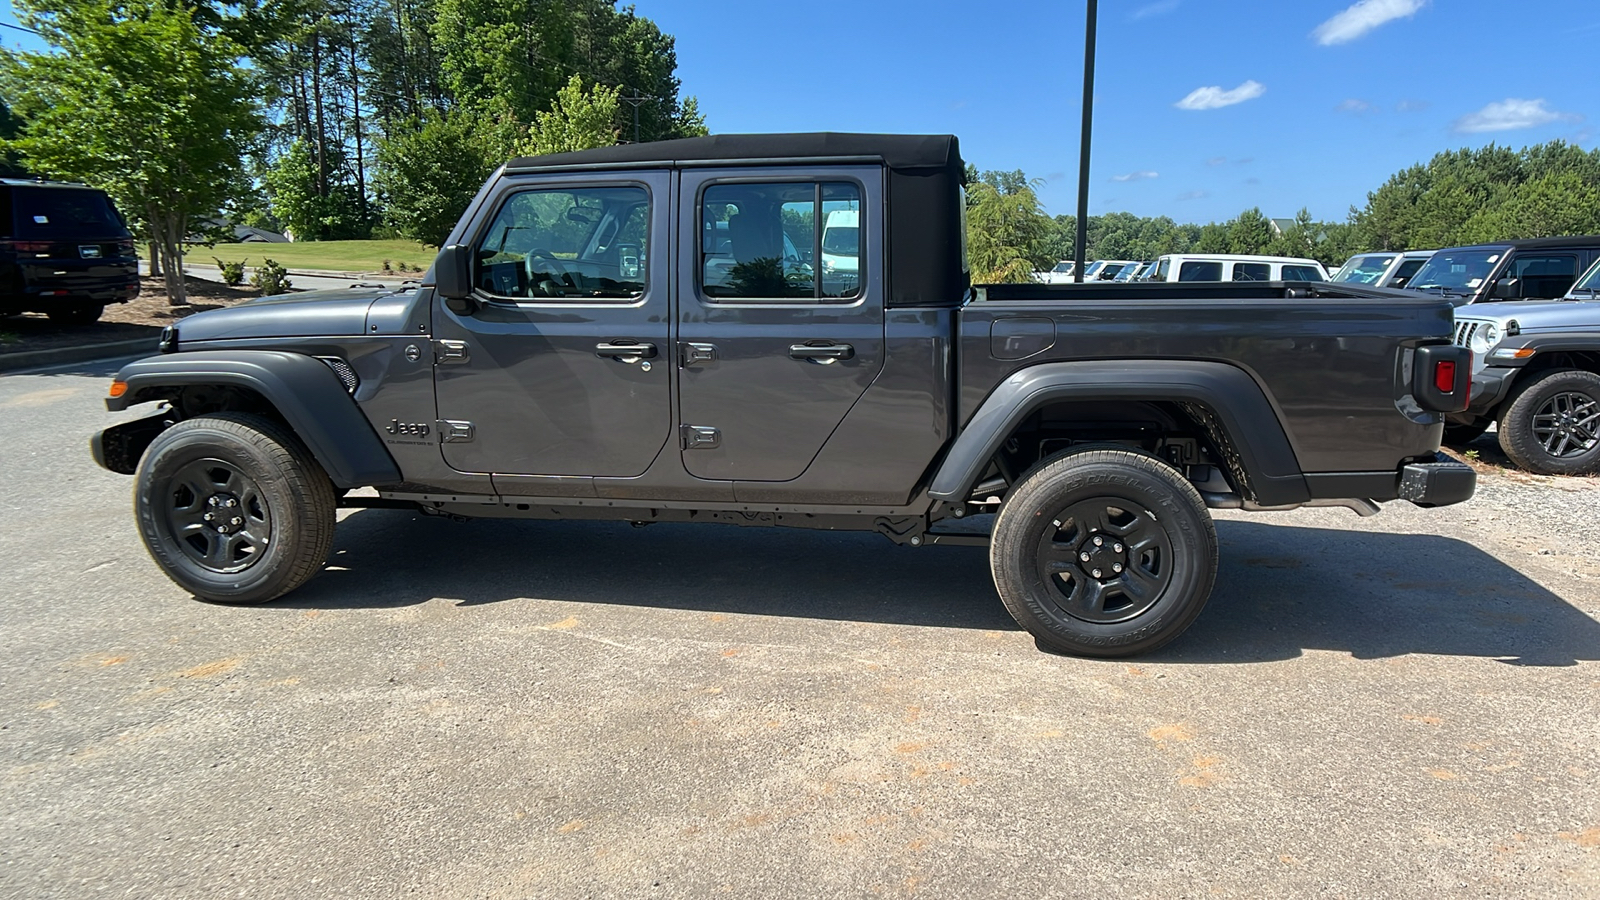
1063, 268
1364, 269
1457, 271
1590, 282
65, 213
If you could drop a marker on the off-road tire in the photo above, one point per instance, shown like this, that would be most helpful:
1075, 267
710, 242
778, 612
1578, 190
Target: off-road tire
283, 502
1533, 420
83, 314
1045, 527
1458, 435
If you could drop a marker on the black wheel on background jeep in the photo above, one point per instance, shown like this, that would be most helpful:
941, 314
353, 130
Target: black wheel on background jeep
233, 508
82, 314
1102, 552
1553, 425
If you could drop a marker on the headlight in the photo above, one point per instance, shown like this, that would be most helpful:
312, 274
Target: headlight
1484, 339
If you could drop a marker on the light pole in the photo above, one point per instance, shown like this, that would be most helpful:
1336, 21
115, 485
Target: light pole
1083, 158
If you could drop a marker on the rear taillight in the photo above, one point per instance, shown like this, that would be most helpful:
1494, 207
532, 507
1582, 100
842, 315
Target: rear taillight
26, 246
1444, 376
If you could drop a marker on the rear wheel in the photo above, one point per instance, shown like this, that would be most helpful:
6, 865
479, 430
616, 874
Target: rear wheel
77, 315
233, 508
1104, 553
1553, 426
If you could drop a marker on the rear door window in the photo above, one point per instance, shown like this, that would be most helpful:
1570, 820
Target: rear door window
1200, 271
1247, 271
67, 213
763, 242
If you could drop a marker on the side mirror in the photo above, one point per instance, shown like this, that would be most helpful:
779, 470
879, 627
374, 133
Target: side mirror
1507, 289
452, 275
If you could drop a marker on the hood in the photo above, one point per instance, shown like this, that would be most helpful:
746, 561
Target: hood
310, 313
1536, 315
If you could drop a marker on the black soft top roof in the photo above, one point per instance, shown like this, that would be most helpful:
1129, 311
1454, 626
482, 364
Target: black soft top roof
898, 151
1551, 243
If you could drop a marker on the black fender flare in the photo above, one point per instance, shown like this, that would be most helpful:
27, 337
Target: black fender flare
1240, 409
303, 390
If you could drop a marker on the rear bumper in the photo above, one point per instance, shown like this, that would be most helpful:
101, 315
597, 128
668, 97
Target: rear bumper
1439, 483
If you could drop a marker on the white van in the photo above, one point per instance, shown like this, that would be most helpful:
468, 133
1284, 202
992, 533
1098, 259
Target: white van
1235, 267
1389, 269
841, 242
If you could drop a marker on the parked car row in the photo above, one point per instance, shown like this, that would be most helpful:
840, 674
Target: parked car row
1190, 267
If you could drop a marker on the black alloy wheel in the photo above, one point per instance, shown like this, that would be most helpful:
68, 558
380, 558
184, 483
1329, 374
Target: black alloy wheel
220, 518
233, 508
1553, 426
1104, 552
1107, 560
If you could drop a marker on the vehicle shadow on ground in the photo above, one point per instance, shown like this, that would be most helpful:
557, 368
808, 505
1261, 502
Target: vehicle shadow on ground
1281, 590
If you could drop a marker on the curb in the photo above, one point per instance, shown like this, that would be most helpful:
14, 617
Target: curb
38, 359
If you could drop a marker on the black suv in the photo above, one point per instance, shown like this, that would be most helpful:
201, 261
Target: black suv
64, 251
1536, 269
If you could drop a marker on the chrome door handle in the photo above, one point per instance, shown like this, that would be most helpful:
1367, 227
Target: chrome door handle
821, 353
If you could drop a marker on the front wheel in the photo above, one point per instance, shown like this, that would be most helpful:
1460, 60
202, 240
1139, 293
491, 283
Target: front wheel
233, 508
1104, 553
1553, 426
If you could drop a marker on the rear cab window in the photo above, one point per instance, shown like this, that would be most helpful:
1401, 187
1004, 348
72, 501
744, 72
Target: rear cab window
781, 242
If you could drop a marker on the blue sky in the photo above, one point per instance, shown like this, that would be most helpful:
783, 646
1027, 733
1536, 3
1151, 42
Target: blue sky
1203, 108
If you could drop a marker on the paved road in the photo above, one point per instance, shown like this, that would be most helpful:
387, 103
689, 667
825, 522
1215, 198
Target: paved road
590, 710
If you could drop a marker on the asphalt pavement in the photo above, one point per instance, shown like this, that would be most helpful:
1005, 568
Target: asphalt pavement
1406, 705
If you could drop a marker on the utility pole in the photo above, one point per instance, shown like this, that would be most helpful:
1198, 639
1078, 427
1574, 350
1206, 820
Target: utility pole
1083, 157
636, 100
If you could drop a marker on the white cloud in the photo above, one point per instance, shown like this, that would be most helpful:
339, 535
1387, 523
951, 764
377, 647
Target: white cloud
1362, 17
1217, 161
1193, 195
1510, 115
1215, 97
1160, 7
1355, 106
1136, 176
1410, 106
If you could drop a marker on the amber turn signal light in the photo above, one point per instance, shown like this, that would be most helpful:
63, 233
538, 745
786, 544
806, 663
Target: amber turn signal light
118, 388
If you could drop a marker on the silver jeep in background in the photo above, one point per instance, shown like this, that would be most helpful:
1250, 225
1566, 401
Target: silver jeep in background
1536, 376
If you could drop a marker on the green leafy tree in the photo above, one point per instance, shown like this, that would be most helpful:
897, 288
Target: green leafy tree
577, 120
137, 99
1007, 229
296, 203
428, 174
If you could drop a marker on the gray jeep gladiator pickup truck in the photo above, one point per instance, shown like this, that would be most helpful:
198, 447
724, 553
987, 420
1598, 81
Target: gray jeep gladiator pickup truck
662, 333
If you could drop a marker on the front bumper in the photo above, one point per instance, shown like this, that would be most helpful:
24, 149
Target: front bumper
1490, 385
1439, 483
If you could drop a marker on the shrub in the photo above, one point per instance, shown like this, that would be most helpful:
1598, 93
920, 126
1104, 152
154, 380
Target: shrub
232, 272
271, 278
387, 267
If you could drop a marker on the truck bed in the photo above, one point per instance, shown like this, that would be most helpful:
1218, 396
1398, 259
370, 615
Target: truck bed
1330, 358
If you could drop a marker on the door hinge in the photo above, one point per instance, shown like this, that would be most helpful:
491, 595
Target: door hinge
700, 437
447, 353
454, 432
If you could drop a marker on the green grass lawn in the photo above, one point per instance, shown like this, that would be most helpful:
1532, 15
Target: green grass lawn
337, 256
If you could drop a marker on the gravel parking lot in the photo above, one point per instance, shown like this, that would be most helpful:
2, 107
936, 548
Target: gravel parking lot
1406, 704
